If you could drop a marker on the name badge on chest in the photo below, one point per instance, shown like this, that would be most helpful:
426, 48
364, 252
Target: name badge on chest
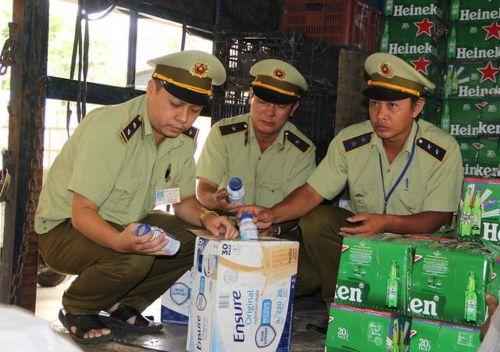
165, 196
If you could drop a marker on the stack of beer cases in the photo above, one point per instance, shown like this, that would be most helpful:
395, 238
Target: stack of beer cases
456, 44
412, 293
471, 91
415, 31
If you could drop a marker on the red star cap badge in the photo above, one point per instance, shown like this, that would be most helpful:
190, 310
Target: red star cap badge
488, 72
421, 65
424, 26
493, 30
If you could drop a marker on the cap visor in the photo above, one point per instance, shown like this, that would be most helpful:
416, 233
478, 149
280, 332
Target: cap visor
187, 95
271, 96
380, 93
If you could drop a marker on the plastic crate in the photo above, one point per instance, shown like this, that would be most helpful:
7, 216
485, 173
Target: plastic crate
336, 22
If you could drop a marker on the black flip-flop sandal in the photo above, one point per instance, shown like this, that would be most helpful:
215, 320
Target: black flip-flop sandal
83, 324
118, 320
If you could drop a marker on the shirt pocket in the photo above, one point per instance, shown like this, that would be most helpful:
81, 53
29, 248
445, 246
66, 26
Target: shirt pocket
363, 197
125, 193
411, 201
270, 193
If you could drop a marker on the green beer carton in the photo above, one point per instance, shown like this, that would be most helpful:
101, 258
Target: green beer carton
374, 272
471, 117
480, 212
413, 36
354, 329
473, 41
472, 79
432, 110
449, 283
480, 156
474, 10
434, 336
411, 8
494, 289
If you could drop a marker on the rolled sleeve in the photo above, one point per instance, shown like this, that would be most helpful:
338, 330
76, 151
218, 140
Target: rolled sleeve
444, 186
330, 177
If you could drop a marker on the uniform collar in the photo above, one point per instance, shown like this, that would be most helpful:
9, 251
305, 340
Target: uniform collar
377, 141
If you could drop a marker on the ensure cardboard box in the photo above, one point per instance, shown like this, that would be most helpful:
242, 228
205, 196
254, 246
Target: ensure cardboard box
175, 302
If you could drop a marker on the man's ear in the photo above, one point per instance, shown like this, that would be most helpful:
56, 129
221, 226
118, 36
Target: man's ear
294, 108
418, 107
250, 95
151, 87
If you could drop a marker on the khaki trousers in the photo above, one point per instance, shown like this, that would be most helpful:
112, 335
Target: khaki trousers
106, 277
322, 244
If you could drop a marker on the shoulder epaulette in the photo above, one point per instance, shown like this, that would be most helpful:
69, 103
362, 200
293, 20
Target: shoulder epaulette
298, 142
356, 142
432, 149
128, 131
191, 133
233, 128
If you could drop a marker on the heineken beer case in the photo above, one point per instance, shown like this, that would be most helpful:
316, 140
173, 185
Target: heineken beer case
353, 329
472, 79
434, 336
413, 36
495, 280
474, 10
473, 41
374, 272
432, 110
419, 8
479, 218
480, 156
471, 117
449, 283
243, 293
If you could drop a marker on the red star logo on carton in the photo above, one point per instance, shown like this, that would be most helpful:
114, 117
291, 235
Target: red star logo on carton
424, 26
421, 64
493, 30
488, 72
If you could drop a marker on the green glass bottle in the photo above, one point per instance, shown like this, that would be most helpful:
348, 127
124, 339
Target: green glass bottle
454, 82
389, 7
455, 10
476, 214
471, 299
384, 42
392, 287
395, 336
465, 214
445, 117
451, 53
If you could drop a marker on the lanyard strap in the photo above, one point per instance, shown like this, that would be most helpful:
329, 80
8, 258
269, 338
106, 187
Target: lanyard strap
400, 177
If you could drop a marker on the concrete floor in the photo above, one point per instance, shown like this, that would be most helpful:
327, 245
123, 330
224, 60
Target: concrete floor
173, 338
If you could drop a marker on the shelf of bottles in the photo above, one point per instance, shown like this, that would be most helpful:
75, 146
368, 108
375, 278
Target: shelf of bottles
456, 44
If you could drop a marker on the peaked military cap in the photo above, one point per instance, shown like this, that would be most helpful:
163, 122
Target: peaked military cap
277, 81
189, 75
392, 78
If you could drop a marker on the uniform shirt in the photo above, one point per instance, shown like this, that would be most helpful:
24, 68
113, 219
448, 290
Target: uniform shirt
112, 160
431, 183
231, 149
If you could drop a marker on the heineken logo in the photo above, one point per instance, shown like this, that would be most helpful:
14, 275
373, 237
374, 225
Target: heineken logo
489, 72
424, 27
481, 105
330, 319
344, 248
469, 130
416, 258
476, 53
478, 15
492, 31
397, 49
491, 231
412, 333
402, 10
351, 294
477, 145
424, 307
482, 171
421, 65
493, 276
477, 91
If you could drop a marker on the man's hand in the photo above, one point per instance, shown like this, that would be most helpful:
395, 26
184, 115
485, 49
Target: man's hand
220, 200
220, 226
269, 232
367, 224
263, 217
129, 242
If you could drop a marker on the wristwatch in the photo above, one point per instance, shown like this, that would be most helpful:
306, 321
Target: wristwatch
277, 230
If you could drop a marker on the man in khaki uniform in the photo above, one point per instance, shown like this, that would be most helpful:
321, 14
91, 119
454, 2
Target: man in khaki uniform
119, 163
404, 174
263, 148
